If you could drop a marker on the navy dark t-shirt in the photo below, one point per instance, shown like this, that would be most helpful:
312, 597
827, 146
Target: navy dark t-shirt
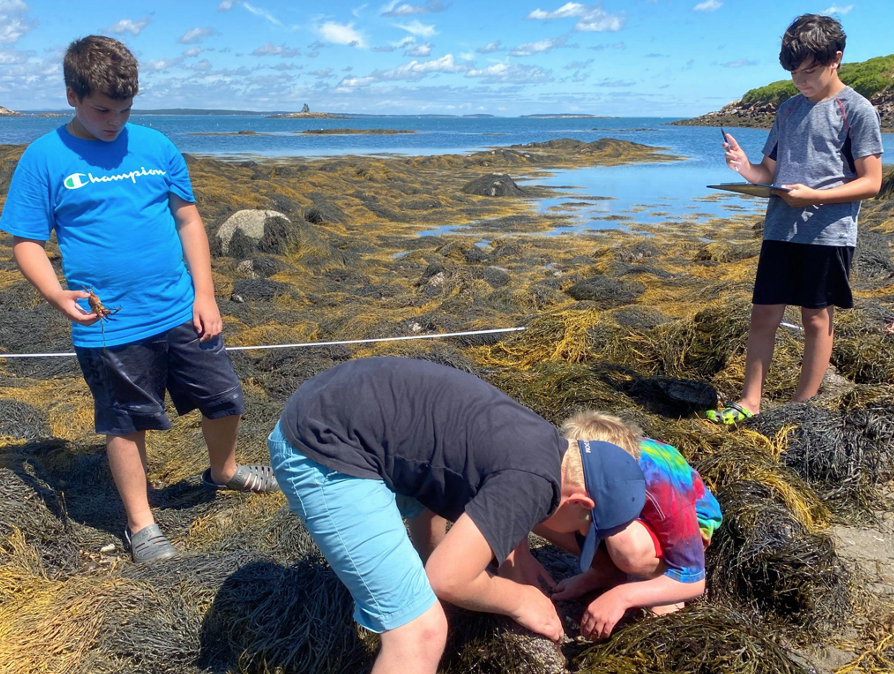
434, 433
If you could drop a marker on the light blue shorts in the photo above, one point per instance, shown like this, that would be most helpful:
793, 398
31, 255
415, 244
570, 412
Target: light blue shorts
357, 525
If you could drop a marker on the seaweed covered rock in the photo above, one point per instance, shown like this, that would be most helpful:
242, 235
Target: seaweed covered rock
764, 559
493, 185
606, 292
701, 639
720, 251
255, 231
324, 212
846, 455
258, 290
22, 421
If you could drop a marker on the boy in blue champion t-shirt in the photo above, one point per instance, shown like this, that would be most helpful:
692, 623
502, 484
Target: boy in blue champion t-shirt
120, 201
826, 147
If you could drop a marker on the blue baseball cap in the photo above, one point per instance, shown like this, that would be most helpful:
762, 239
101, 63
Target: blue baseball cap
617, 486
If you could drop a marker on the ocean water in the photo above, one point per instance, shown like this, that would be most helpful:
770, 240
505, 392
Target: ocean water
643, 193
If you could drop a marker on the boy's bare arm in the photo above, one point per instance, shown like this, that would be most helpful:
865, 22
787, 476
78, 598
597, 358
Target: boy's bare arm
206, 315
865, 186
457, 573
606, 610
32, 260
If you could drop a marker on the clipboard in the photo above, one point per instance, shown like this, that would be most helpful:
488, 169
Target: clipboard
751, 189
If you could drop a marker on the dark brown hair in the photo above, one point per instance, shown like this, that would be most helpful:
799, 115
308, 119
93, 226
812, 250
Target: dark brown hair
98, 64
811, 35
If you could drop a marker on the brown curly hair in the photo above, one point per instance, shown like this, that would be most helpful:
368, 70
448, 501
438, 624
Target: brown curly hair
99, 64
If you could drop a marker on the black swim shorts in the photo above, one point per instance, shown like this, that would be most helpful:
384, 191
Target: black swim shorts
128, 381
804, 275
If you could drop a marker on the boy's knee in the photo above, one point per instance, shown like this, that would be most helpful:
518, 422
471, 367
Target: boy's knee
764, 318
633, 551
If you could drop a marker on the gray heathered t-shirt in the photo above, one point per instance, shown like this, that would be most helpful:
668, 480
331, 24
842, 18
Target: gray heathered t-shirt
815, 144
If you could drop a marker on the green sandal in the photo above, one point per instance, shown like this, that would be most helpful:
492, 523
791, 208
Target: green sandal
731, 414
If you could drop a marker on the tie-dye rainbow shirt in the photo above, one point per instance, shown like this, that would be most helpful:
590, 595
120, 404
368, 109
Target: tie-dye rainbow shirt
679, 510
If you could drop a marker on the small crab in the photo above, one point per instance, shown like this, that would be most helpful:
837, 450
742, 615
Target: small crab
96, 305
98, 309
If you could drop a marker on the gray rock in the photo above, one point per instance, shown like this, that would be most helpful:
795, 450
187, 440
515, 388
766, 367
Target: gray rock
493, 185
249, 231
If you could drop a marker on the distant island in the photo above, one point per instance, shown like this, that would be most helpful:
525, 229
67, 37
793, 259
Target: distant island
6, 112
229, 133
307, 115
563, 116
874, 79
340, 132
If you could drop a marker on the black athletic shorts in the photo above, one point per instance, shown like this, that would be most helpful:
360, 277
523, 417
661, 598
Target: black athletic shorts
804, 275
128, 381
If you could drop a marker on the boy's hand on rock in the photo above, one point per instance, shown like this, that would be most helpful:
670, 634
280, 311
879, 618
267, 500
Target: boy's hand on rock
206, 318
537, 613
800, 196
735, 156
66, 302
602, 615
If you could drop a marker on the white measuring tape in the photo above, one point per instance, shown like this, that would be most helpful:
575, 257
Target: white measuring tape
301, 344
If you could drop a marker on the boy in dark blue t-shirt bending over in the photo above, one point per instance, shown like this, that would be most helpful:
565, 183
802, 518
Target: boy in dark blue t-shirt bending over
119, 198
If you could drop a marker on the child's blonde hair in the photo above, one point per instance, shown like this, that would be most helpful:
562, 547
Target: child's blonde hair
592, 425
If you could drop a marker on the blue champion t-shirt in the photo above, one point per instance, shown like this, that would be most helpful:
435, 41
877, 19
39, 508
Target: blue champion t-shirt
109, 204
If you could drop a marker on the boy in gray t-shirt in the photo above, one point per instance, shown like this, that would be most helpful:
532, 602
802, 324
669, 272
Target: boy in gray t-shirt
825, 147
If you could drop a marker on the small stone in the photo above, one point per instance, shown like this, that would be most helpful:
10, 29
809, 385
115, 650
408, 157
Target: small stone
108, 548
237, 298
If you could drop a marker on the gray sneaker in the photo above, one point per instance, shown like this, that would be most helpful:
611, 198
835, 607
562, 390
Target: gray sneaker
149, 545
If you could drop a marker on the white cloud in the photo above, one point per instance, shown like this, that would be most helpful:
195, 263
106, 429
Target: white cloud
157, 65
349, 83
739, 63
397, 8
490, 47
128, 26
539, 47
416, 27
341, 33
14, 22
322, 74
510, 73
263, 13
270, 49
577, 65
191, 52
834, 9
708, 6
416, 70
590, 18
227, 5
421, 50
196, 35
9, 57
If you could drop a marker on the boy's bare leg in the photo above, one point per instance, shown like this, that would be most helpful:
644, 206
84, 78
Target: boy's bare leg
414, 648
818, 333
127, 461
633, 550
765, 319
220, 437
601, 575
427, 531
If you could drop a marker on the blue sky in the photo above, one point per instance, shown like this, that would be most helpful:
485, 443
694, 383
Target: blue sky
503, 57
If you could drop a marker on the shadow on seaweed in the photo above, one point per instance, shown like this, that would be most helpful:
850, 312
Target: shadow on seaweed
267, 617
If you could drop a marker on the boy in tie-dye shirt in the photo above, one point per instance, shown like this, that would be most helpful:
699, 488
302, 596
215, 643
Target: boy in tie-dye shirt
657, 561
